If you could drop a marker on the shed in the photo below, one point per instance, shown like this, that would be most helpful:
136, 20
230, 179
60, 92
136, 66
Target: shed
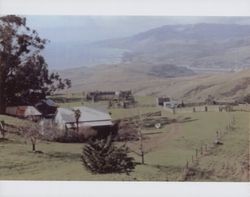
23, 111
170, 104
47, 107
65, 118
160, 100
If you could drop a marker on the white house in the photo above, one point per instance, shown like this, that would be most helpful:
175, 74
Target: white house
65, 118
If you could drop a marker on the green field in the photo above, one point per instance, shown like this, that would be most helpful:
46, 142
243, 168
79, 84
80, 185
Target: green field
168, 149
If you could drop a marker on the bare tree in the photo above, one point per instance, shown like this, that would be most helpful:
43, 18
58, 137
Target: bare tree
32, 132
138, 122
77, 117
2, 129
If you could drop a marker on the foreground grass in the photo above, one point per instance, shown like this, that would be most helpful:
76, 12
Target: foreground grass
167, 152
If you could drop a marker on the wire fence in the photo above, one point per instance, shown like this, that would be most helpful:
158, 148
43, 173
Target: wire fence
207, 148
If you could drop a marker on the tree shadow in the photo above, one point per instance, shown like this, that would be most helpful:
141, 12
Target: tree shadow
4, 140
187, 119
64, 155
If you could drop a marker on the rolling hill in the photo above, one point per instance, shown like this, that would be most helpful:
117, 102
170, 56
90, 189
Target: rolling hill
223, 86
173, 60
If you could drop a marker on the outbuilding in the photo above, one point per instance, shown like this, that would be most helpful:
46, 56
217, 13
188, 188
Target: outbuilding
47, 107
29, 112
65, 118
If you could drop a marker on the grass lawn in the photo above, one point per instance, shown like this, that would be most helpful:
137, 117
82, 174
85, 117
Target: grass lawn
167, 151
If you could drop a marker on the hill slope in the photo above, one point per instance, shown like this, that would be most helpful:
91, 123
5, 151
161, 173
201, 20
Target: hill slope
195, 87
201, 45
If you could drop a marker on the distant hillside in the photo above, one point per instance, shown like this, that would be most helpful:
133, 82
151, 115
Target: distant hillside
162, 61
225, 86
224, 46
203, 45
170, 70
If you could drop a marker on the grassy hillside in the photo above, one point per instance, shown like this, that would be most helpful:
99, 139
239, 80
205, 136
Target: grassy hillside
136, 78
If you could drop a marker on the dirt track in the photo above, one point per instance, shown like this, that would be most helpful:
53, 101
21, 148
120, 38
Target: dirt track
152, 142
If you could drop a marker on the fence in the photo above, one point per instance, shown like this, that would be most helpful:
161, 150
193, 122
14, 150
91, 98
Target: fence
210, 108
206, 149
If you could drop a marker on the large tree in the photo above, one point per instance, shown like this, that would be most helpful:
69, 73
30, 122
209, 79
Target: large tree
23, 71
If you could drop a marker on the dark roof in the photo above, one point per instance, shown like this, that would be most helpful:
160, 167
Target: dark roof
48, 102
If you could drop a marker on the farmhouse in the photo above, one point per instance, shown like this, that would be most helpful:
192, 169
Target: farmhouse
101, 95
109, 95
65, 118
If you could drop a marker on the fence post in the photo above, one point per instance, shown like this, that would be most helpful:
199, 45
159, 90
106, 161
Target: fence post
174, 110
201, 150
187, 165
196, 153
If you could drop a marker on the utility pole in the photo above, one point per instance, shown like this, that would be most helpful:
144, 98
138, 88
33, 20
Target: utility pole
141, 138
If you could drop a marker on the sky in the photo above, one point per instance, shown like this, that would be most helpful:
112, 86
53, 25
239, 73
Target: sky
85, 29
68, 34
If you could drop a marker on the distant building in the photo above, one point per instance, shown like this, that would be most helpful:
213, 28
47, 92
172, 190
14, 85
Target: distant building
65, 118
101, 95
171, 104
110, 95
160, 100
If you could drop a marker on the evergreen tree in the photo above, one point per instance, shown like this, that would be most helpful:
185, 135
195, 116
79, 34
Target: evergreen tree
101, 156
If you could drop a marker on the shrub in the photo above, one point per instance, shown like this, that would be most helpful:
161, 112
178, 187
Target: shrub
84, 133
247, 99
126, 132
101, 156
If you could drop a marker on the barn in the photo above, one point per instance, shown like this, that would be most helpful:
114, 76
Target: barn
65, 118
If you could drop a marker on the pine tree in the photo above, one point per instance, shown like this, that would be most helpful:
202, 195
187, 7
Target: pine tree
101, 156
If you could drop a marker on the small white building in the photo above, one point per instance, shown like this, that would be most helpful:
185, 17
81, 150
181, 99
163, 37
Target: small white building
23, 112
170, 104
65, 118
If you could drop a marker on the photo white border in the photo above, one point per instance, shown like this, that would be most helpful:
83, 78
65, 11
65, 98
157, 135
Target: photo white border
127, 7
124, 7
121, 189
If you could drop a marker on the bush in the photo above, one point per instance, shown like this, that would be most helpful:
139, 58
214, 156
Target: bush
126, 132
55, 134
247, 99
101, 156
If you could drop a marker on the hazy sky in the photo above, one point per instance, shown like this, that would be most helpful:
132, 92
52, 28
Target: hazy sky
69, 34
93, 28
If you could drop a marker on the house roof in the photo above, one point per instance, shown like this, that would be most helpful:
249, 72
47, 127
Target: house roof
23, 111
48, 102
89, 116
